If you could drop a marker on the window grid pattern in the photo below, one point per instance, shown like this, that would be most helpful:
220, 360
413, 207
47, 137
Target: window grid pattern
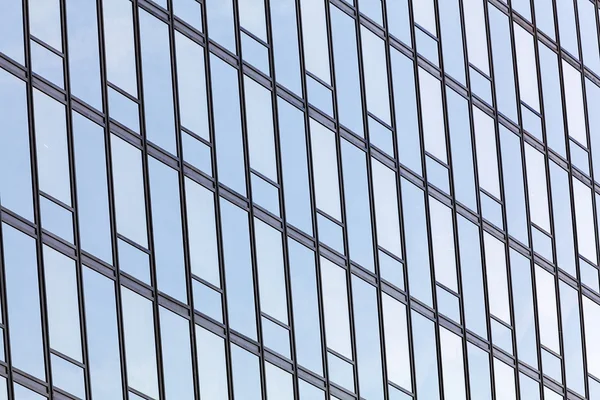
299, 199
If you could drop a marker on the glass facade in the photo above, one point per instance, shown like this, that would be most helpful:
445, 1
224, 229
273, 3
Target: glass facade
299, 199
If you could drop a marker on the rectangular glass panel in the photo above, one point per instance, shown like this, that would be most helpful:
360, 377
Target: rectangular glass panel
193, 109
396, 342
347, 70
166, 229
271, 275
386, 208
525, 327
92, 191
51, 147
119, 44
23, 302
294, 165
140, 349
358, 211
15, 188
238, 269
201, 224
259, 127
335, 304
84, 62
305, 306
325, 169
176, 350
62, 303
246, 374
102, 335
212, 365
228, 131
417, 243
368, 341
425, 357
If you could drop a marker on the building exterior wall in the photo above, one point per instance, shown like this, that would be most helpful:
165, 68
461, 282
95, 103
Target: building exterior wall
299, 199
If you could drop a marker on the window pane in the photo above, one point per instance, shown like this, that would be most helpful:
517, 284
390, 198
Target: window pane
228, 131
325, 169
305, 306
294, 165
335, 304
11, 30
472, 277
92, 191
523, 305
166, 229
358, 212
246, 374
386, 208
191, 85
23, 302
204, 257
177, 362
375, 71
15, 188
128, 184
409, 141
238, 269
285, 44
118, 39
452, 365
212, 366
425, 355
271, 278
84, 62
496, 277
347, 70
571, 331
62, 303
314, 35
442, 228
102, 335
396, 342
138, 326
417, 247
259, 125
368, 341
462, 149
156, 73
51, 146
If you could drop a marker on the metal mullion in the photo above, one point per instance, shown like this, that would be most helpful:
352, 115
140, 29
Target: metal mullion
36, 204
111, 200
436, 317
571, 197
74, 201
453, 207
285, 249
501, 184
147, 197
594, 208
423, 178
479, 224
342, 194
397, 175
183, 201
527, 204
312, 195
217, 210
552, 235
248, 177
